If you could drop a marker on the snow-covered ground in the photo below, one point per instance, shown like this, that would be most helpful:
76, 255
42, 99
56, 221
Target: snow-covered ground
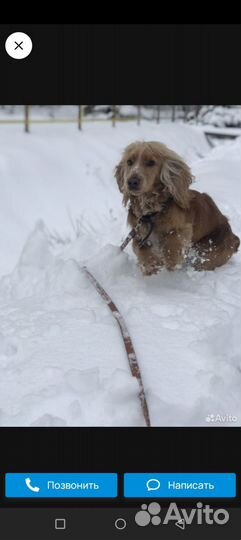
62, 362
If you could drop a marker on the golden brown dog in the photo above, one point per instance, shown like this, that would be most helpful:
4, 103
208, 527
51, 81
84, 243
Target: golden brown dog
176, 224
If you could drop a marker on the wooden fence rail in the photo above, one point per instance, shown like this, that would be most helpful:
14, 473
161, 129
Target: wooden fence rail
169, 114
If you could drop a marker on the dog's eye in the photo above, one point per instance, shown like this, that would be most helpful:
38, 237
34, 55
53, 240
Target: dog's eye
150, 163
130, 162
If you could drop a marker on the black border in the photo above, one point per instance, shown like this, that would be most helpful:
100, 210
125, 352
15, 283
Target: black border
118, 450
124, 63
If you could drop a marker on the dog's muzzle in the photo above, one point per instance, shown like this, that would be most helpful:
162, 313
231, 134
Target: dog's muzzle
134, 183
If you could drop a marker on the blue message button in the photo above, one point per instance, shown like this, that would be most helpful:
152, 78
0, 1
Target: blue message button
179, 485
61, 485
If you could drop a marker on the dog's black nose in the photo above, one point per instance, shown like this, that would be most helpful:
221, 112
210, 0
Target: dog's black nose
134, 182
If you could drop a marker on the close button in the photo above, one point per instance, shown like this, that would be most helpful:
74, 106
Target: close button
18, 45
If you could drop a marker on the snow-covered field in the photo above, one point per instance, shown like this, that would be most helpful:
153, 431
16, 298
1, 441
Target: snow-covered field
62, 362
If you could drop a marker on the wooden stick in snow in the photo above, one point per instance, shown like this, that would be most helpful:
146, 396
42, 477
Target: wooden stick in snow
130, 351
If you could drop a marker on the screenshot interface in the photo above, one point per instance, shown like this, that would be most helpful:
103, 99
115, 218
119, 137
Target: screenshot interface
120, 226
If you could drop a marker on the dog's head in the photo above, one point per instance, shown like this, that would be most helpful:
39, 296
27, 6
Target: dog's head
151, 167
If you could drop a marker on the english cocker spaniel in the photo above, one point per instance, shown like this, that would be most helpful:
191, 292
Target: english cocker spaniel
176, 225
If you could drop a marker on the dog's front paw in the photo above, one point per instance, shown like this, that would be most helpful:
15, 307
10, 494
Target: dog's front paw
150, 269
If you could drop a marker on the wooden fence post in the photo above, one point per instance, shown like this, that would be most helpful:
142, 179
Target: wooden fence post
138, 114
158, 114
113, 115
173, 113
26, 118
80, 117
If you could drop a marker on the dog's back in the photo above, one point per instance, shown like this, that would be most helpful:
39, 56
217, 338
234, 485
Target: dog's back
205, 215
213, 237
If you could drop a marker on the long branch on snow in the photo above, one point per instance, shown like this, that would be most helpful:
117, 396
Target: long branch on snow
130, 351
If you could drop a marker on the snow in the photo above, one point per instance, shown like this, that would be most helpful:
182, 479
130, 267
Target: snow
220, 116
62, 361
224, 131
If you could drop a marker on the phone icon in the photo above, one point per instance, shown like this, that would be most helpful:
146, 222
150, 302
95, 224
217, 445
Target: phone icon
28, 482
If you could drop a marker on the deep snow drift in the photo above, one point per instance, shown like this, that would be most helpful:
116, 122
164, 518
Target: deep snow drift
62, 361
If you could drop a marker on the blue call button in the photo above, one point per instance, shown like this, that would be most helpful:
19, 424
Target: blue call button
61, 485
175, 485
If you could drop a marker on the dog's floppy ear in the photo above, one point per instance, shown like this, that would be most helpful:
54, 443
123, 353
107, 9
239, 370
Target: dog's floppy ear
119, 175
176, 177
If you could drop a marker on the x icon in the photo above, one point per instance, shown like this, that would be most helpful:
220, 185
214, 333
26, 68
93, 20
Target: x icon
18, 45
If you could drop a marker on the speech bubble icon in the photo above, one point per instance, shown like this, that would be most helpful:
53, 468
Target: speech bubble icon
153, 484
